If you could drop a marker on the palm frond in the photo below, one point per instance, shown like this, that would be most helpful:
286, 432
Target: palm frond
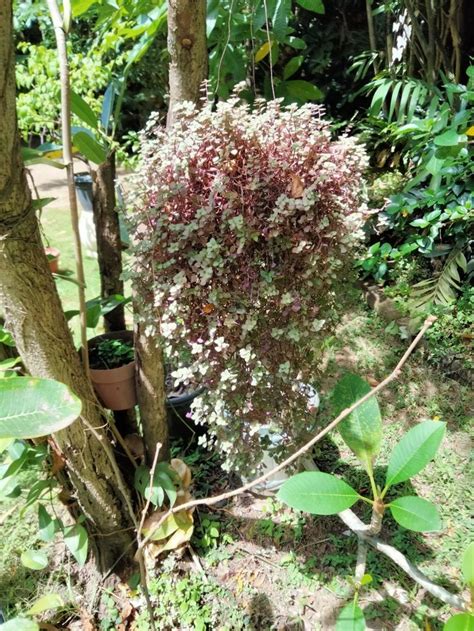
442, 287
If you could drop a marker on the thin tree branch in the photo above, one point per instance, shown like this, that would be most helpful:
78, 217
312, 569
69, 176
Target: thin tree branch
60, 33
359, 528
209, 501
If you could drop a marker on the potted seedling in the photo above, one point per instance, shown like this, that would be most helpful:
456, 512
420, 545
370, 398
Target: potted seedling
52, 255
112, 368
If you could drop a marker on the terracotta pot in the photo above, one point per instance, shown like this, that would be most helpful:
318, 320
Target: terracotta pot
53, 262
115, 387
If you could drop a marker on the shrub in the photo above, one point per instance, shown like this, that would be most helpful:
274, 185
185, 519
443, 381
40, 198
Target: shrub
243, 225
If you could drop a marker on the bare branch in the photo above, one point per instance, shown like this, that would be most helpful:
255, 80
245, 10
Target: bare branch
360, 529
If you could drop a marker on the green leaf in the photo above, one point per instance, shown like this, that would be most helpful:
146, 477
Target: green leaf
316, 6
20, 624
89, 147
77, 542
449, 138
34, 559
292, 66
107, 107
82, 110
280, 19
81, 6
366, 579
351, 618
468, 564
46, 523
362, 429
414, 451
35, 407
303, 90
317, 493
49, 601
415, 513
460, 622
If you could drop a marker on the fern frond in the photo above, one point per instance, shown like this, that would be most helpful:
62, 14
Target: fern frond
442, 287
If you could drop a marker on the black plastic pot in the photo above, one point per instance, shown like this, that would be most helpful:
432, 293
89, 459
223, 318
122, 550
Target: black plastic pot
83, 183
179, 422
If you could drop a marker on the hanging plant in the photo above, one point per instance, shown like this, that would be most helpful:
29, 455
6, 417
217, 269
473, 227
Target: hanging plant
244, 221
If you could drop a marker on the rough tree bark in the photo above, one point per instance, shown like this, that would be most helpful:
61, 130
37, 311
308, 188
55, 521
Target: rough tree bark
187, 47
109, 249
34, 315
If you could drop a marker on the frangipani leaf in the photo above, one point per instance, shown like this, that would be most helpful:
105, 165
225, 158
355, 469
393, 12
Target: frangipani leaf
351, 618
414, 451
317, 493
35, 407
362, 429
415, 513
460, 622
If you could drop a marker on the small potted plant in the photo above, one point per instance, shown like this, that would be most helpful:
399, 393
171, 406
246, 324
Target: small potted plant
52, 255
112, 369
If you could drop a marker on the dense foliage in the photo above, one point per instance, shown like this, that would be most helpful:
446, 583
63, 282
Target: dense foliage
245, 222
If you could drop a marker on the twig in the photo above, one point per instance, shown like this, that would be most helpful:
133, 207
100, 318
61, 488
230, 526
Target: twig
60, 31
359, 528
208, 501
140, 557
197, 563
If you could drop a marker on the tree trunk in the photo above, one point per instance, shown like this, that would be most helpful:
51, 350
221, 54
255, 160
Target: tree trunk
187, 47
34, 315
109, 246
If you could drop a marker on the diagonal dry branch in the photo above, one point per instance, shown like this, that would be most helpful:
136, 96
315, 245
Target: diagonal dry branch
360, 529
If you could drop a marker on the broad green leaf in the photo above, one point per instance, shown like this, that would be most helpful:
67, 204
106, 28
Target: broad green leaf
351, 618
81, 6
77, 541
46, 524
49, 601
34, 559
8, 364
317, 493
362, 429
89, 147
303, 90
312, 5
415, 513
35, 407
460, 622
449, 138
292, 66
20, 624
414, 451
280, 18
468, 564
107, 107
83, 110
